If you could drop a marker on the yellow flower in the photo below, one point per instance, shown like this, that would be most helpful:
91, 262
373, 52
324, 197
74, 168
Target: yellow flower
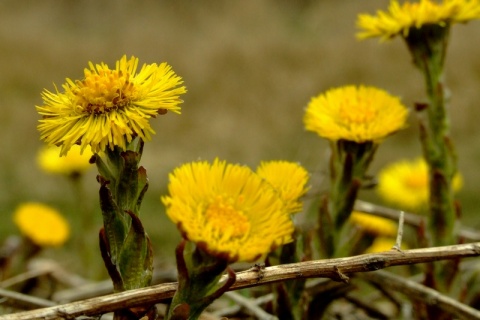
227, 210
399, 19
289, 179
372, 224
382, 244
353, 113
405, 183
109, 107
42, 224
73, 163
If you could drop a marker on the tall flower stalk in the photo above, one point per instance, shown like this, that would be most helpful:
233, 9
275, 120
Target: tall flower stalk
109, 112
425, 27
354, 120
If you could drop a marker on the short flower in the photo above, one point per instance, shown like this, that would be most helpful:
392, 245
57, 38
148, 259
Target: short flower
109, 107
73, 163
400, 19
289, 179
405, 184
227, 210
42, 224
358, 114
374, 225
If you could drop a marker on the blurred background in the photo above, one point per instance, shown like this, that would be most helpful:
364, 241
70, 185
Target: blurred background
250, 68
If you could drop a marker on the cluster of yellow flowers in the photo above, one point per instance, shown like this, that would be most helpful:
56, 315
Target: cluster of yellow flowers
229, 210
232, 211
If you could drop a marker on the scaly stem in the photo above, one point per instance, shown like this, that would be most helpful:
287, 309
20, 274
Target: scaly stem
348, 165
125, 246
428, 46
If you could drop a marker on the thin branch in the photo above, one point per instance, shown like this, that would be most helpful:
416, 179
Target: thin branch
20, 300
410, 218
398, 242
422, 293
251, 305
336, 269
367, 306
236, 308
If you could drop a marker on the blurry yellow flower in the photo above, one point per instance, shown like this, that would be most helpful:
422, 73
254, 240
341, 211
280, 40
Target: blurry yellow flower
399, 19
42, 224
382, 244
109, 107
289, 179
74, 162
356, 114
372, 224
227, 210
405, 183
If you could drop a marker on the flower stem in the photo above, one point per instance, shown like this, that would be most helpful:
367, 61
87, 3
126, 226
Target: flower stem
125, 246
198, 282
348, 165
428, 47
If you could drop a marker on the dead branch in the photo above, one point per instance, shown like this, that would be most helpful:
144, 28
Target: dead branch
336, 269
411, 219
419, 292
20, 300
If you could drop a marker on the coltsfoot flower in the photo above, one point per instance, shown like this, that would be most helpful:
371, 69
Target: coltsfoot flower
400, 19
42, 224
405, 184
73, 163
289, 179
352, 113
374, 225
109, 107
227, 210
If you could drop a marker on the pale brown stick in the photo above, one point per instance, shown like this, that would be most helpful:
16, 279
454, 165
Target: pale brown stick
20, 300
419, 292
398, 241
410, 218
336, 269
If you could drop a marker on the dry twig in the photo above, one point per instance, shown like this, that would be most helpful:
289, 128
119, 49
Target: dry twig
419, 292
336, 269
250, 305
411, 219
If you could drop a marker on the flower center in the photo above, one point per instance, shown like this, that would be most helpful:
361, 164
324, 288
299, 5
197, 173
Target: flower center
101, 92
417, 181
358, 113
225, 218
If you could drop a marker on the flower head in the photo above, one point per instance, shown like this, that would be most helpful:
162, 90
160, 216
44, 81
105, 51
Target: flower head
227, 209
374, 225
42, 224
405, 183
109, 107
289, 179
353, 113
399, 19
73, 163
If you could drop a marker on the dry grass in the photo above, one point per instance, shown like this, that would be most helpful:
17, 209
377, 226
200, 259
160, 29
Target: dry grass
250, 68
